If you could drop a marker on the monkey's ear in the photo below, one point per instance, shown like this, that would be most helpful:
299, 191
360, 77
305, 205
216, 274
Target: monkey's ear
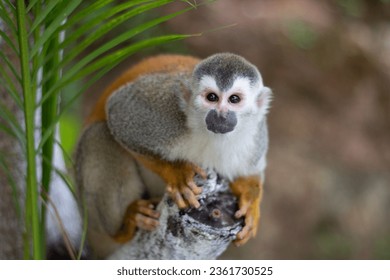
264, 98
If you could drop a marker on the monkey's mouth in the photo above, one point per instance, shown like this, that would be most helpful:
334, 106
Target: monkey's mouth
220, 124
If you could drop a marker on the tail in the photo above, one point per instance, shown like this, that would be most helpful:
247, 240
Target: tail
63, 219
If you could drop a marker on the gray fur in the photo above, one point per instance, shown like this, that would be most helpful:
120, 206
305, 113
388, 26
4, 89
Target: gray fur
225, 68
221, 124
108, 181
261, 140
137, 112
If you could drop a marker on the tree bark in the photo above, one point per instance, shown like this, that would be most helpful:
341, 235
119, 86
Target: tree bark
11, 166
202, 233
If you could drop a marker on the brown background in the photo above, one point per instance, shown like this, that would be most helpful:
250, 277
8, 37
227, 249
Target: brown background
327, 192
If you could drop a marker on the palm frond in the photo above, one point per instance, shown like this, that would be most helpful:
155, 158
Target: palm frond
43, 15
12, 122
4, 15
8, 41
32, 222
57, 44
11, 67
15, 191
10, 87
67, 7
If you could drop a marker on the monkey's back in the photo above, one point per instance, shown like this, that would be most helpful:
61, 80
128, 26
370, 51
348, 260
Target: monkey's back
157, 64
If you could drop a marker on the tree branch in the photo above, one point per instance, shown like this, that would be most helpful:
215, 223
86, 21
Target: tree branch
202, 233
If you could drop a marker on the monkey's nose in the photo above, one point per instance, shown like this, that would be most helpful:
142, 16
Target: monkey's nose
221, 124
222, 114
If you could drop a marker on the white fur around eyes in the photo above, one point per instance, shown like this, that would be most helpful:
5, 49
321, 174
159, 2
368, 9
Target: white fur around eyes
240, 84
208, 82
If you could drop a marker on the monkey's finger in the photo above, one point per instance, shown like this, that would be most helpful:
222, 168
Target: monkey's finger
200, 171
244, 205
145, 222
246, 232
191, 198
254, 230
195, 189
241, 241
148, 226
178, 198
242, 211
147, 211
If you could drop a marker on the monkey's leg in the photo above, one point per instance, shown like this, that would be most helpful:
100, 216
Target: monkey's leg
139, 214
179, 178
109, 181
249, 193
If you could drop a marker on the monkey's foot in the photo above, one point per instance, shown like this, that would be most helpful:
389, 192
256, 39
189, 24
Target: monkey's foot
139, 214
181, 185
248, 191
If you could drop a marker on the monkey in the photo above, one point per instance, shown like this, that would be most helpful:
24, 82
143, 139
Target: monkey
164, 120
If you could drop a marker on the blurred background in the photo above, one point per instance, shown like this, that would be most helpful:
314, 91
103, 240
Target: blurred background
327, 191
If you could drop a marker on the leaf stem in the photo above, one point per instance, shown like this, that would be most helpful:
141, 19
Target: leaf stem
32, 211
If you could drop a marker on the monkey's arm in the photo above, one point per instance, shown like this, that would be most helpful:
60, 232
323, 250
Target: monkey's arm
249, 191
145, 118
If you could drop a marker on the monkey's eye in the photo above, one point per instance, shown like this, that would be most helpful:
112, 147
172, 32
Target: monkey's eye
234, 99
212, 97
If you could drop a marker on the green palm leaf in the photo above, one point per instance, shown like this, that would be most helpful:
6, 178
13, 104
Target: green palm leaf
8, 41
49, 39
4, 15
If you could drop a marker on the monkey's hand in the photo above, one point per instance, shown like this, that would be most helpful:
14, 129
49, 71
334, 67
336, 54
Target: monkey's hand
249, 191
139, 214
179, 177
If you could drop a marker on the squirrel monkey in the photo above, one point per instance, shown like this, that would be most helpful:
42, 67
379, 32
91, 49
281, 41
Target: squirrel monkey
166, 119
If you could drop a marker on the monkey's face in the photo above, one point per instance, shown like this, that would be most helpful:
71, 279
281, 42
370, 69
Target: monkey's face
227, 94
223, 110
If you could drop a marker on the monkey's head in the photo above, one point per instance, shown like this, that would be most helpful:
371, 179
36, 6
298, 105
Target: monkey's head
227, 92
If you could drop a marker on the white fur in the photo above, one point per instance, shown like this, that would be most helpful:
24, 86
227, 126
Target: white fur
231, 154
249, 94
208, 82
242, 84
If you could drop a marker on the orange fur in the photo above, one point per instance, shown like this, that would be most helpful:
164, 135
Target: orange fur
249, 192
157, 64
179, 177
139, 214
